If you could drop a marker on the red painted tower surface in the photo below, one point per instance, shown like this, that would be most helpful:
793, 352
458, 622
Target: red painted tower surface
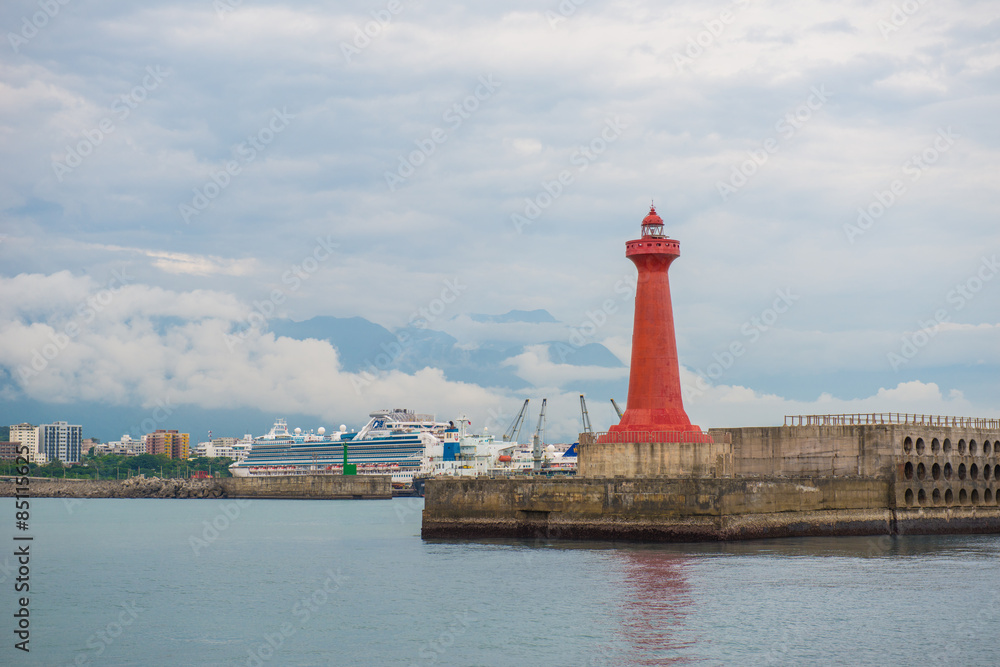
654, 412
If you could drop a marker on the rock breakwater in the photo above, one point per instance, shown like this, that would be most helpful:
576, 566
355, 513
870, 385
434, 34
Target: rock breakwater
304, 487
134, 487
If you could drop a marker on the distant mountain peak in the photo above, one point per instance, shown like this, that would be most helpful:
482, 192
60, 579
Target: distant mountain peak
530, 316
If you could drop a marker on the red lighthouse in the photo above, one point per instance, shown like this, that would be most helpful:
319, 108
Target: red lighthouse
654, 412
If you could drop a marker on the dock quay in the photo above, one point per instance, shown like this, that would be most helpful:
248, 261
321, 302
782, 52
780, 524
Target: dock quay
816, 475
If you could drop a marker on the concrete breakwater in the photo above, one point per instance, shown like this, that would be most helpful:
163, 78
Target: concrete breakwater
684, 509
861, 474
315, 487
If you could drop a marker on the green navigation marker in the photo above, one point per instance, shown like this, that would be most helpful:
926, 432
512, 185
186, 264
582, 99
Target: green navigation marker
349, 468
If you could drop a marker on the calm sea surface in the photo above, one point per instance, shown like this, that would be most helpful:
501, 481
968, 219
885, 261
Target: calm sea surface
154, 582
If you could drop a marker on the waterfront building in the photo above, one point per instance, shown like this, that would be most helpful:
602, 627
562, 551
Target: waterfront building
88, 445
221, 447
9, 450
124, 447
105, 448
216, 448
27, 434
61, 441
169, 442
134, 447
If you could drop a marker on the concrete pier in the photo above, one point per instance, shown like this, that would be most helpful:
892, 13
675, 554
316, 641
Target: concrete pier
309, 487
897, 475
654, 509
684, 510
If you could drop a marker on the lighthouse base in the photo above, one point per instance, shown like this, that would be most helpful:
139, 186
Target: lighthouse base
699, 456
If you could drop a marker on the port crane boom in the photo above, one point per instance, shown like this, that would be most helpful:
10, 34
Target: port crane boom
617, 409
513, 432
537, 440
586, 417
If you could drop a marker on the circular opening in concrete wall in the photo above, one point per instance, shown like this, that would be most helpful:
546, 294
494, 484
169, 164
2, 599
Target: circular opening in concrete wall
908, 497
987, 472
935, 445
908, 445
947, 471
988, 496
946, 447
921, 471
908, 470
961, 446
936, 496
936, 471
973, 450
961, 471
963, 497
974, 498
921, 497
987, 447
920, 445
949, 497
974, 471
996, 471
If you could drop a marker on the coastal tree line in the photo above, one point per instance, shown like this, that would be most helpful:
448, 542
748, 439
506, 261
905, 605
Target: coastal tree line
117, 466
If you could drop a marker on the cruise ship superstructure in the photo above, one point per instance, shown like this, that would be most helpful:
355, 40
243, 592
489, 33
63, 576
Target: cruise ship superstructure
400, 443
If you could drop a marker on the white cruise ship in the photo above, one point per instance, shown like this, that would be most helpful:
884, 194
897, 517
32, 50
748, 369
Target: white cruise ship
397, 442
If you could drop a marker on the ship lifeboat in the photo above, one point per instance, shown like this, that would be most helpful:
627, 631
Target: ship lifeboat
504, 459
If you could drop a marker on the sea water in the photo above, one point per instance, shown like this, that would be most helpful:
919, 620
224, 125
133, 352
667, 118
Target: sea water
272, 582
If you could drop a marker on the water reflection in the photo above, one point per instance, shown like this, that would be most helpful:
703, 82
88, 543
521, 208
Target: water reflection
655, 602
872, 546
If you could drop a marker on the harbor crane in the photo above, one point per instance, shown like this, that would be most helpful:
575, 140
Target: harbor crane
617, 409
513, 432
586, 417
537, 440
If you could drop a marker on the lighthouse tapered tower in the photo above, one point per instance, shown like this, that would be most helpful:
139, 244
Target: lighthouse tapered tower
654, 388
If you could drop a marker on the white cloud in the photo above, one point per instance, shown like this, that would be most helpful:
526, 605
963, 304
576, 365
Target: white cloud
176, 262
190, 264
120, 356
915, 392
536, 366
527, 147
684, 132
719, 406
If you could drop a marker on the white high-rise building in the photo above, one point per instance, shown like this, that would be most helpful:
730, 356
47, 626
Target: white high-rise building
60, 440
125, 447
27, 434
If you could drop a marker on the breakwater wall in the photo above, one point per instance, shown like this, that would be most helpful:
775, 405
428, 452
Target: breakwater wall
684, 509
309, 487
301, 487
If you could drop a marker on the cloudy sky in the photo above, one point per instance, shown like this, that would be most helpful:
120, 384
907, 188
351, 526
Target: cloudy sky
175, 174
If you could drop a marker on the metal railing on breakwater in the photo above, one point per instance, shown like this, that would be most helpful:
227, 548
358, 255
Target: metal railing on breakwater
888, 418
680, 437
